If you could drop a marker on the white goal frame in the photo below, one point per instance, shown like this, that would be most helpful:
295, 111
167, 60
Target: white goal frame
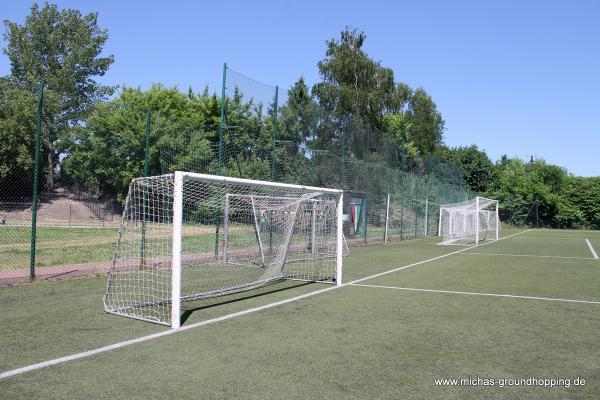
179, 178
469, 230
170, 196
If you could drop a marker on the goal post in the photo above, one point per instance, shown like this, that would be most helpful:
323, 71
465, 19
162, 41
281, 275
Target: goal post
469, 222
185, 211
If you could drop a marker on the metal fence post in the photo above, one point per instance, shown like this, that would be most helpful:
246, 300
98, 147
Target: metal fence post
273, 156
222, 121
146, 172
36, 174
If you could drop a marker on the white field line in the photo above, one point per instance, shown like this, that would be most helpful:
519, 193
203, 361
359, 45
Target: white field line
531, 255
591, 248
511, 296
142, 339
551, 237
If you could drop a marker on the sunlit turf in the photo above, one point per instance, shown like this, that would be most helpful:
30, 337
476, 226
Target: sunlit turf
349, 343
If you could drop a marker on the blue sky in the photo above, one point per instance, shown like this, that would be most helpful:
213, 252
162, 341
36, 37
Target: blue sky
514, 77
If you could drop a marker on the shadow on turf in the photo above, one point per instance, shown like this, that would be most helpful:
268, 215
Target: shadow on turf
188, 311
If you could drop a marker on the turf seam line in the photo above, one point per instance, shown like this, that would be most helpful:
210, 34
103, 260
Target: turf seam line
512, 296
125, 343
591, 248
530, 255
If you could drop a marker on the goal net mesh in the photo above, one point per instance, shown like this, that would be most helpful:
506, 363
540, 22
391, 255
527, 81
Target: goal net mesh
468, 222
235, 237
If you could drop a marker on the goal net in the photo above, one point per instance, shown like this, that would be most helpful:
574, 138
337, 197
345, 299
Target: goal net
469, 222
187, 236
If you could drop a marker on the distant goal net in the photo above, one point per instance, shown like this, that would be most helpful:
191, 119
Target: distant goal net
188, 236
469, 222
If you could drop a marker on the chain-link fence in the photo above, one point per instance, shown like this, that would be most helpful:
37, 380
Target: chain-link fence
268, 133
70, 228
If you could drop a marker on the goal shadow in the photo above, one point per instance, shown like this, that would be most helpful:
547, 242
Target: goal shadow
194, 306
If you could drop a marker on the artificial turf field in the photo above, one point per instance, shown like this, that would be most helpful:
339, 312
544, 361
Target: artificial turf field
525, 306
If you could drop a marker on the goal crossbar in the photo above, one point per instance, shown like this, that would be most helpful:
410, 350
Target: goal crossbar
469, 222
165, 254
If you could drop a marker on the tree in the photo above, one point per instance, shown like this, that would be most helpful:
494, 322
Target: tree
353, 92
359, 97
298, 114
426, 122
61, 48
108, 152
17, 118
582, 193
477, 168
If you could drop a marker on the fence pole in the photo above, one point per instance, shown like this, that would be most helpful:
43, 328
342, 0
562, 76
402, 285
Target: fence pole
273, 159
313, 178
416, 209
221, 144
343, 159
146, 172
401, 216
222, 122
366, 179
387, 218
427, 208
36, 172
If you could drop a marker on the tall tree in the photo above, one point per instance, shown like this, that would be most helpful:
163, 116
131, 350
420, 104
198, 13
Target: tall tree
297, 114
353, 92
363, 111
426, 122
61, 48
476, 166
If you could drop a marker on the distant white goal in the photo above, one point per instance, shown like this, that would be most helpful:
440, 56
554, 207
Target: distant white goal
469, 222
188, 236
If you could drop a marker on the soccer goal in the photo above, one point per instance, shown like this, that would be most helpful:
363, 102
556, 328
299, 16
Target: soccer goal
188, 236
469, 222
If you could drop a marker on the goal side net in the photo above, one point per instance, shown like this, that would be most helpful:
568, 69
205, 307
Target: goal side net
469, 222
187, 236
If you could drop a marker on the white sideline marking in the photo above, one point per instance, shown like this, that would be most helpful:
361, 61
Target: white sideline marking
551, 237
125, 343
532, 255
591, 248
512, 296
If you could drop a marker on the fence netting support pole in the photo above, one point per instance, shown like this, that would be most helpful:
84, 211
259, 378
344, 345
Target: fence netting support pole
36, 175
222, 121
387, 219
146, 173
273, 151
427, 209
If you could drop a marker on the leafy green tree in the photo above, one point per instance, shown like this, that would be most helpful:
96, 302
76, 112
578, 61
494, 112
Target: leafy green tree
358, 97
61, 48
298, 115
540, 192
108, 152
17, 119
477, 168
426, 122
398, 128
353, 92
582, 193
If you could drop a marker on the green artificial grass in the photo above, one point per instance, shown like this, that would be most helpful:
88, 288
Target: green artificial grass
348, 343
